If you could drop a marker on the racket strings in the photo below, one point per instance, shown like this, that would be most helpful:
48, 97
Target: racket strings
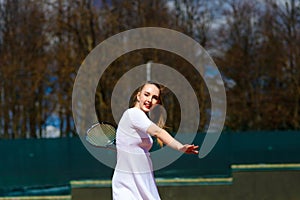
109, 131
101, 135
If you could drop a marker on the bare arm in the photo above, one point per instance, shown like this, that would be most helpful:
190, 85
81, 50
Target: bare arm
167, 139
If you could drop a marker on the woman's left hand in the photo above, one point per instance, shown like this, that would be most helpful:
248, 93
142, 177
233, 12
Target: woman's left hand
189, 149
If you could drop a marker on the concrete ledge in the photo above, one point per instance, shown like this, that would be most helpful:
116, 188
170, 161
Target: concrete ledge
159, 181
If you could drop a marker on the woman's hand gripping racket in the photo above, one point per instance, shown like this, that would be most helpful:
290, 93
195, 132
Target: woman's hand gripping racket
102, 135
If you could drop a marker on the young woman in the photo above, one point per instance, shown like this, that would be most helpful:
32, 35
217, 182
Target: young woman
133, 176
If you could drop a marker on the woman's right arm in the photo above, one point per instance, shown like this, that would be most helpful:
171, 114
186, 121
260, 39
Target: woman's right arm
167, 139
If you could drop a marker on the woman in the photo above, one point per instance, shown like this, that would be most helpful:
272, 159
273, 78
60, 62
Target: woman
133, 176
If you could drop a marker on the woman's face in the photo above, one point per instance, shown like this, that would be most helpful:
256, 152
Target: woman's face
147, 97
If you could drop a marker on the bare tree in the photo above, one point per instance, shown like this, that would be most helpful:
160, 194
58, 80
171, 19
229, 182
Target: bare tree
23, 55
241, 36
288, 26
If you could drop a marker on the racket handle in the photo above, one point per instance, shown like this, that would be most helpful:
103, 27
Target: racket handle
113, 142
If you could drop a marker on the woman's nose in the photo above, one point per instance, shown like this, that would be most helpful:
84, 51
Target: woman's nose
148, 99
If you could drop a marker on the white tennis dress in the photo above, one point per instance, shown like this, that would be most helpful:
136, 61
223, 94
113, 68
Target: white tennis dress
133, 177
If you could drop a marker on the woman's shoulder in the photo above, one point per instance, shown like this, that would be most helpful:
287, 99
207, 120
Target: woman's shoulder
135, 110
138, 119
136, 113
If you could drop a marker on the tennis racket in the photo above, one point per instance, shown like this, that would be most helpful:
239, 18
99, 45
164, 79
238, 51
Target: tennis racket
102, 135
